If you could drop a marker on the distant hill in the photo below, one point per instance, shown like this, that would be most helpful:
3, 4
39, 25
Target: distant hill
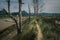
24, 13
3, 12
49, 14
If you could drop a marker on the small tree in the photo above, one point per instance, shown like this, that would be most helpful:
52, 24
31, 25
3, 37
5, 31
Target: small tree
38, 4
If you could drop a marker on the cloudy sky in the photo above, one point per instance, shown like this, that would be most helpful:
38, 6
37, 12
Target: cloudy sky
50, 6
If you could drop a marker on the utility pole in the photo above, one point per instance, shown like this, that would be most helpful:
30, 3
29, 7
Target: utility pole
29, 12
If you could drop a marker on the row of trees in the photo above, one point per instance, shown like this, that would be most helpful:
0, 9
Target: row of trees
19, 22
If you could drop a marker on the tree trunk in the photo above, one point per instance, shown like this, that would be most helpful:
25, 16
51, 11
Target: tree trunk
12, 16
20, 16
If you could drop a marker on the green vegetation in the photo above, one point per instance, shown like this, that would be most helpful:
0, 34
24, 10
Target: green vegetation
50, 31
29, 32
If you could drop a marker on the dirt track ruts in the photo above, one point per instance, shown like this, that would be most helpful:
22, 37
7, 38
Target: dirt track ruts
39, 35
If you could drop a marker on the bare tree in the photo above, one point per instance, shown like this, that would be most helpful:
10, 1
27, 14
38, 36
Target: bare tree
19, 22
41, 5
38, 4
35, 4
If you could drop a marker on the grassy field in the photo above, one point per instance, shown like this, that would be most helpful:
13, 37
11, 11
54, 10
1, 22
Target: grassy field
51, 30
29, 32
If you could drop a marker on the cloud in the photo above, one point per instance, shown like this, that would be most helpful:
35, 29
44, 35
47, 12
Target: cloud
52, 6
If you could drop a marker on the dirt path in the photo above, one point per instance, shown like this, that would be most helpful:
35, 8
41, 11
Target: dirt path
39, 35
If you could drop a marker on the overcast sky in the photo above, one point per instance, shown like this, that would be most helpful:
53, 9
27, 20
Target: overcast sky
50, 6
